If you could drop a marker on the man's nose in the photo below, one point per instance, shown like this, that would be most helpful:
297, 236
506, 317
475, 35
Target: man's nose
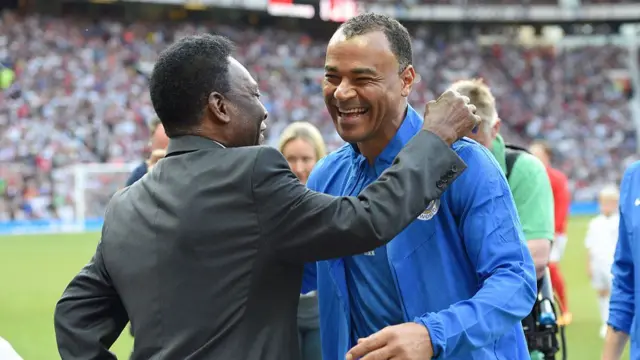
344, 91
264, 110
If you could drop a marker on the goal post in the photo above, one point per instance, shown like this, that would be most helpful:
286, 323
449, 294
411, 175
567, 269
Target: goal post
84, 191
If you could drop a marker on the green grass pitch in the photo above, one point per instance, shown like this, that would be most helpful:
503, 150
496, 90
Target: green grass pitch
35, 269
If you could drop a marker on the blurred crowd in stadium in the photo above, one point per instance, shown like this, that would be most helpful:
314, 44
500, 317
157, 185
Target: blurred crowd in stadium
495, 2
78, 94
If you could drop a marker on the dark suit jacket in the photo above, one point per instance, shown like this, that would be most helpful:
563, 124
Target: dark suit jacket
205, 253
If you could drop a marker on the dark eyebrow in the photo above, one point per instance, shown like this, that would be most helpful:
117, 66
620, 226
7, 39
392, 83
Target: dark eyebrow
330, 68
363, 71
356, 71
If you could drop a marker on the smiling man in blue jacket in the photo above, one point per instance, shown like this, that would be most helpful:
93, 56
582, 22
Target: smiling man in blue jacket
625, 302
456, 283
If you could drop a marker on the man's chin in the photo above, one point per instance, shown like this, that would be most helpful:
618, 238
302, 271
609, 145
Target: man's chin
352, 132
352, 136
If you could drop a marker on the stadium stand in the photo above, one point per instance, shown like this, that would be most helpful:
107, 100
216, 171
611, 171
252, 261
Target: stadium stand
79, 95
470, 2
495, 2
590, 2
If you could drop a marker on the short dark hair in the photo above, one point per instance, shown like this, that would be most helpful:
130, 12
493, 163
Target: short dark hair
397, 35
184, 76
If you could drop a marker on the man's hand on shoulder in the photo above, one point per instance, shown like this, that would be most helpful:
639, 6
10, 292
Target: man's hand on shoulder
450, 117
408, 341
156, 155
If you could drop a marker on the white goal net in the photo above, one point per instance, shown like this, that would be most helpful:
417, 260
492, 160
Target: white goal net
84, 190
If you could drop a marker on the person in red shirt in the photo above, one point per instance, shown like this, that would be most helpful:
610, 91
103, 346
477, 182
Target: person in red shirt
562, 200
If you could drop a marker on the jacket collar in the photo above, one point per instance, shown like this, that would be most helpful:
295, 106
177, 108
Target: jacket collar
410, 126
188, 143
498, 150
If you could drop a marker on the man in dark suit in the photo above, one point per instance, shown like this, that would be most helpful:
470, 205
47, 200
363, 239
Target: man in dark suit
205, 254
158, 145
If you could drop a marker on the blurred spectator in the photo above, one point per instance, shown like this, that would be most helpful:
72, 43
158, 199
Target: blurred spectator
594, 2
410, 3
78, 94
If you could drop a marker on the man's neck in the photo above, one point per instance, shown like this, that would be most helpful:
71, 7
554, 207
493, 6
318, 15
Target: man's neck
373, 147
216, 138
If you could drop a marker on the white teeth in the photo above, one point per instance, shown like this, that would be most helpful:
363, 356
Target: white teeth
353, 111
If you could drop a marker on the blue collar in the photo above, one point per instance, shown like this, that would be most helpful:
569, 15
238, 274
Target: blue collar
410, 126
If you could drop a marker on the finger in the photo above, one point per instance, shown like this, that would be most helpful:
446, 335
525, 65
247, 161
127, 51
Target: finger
449, 94
465, 99
159, 153
367, 345
384, 353
426, 108
477, 125
472, 108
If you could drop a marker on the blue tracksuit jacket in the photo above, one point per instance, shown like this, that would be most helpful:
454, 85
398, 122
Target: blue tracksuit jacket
624, 304
466, 273
137, 174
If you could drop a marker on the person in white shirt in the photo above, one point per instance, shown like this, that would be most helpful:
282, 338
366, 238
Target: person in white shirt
601, 241
7, 352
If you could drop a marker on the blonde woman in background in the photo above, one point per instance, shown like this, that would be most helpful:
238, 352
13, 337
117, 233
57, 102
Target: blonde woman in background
302, 145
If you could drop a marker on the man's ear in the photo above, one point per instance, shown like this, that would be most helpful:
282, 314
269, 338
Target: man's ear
408, 77
495, 130
219, 107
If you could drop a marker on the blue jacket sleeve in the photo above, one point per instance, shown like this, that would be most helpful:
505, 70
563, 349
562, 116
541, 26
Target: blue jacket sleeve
494, 242
309, 280
137, 174
621, 303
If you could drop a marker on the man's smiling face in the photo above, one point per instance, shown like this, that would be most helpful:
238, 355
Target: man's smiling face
363, 85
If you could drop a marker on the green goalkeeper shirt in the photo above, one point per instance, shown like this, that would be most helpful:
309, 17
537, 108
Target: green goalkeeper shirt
531, 191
